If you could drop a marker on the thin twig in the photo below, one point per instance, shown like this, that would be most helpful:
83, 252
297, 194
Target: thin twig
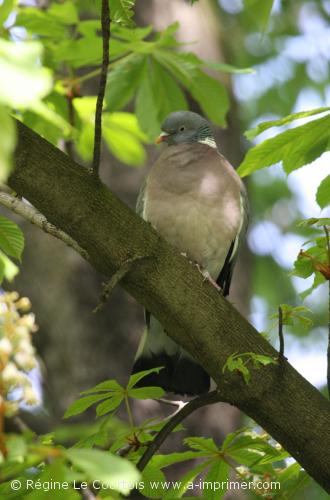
69, 143
20, 425
326, 230
280, 333
105, 22
114, 280
87, 494
31, 214
206, 399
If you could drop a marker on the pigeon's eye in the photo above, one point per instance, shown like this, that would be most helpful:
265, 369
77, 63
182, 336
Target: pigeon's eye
182, 128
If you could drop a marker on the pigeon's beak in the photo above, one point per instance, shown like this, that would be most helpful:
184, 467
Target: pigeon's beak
163, 136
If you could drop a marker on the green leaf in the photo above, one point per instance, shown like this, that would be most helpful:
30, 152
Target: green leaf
40, 22
121, 11
186, 482
131, 34
227, 68
107, 386
11, 238
210, 94
295, 315
303, 267
259, 12
16, 448
263, 359
319, 279
124, 137
291, 472
323, 193
64, 12
78, 53
161, 461
7, 143
236, 363
168, 96
152, 479
294, 148
216, 478
146, 393
314, 221
82, 404
23, 82
146, 107
261, 127
109, 405
202, 444
8, 269
5, 9
57, 471
157, 96
231, 437
136, 377
46, 111
120, 131
123, 80
105, 467
301, 482
2, 270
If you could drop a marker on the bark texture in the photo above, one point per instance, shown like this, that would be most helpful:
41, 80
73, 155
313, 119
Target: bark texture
192, 311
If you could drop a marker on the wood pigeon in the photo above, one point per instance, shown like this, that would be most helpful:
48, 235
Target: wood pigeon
197, 202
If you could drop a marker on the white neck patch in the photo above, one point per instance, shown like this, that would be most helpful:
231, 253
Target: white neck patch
209, 141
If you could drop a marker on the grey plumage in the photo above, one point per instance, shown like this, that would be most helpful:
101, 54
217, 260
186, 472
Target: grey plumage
197, 202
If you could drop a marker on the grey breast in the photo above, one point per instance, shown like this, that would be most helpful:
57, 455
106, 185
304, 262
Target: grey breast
192, 198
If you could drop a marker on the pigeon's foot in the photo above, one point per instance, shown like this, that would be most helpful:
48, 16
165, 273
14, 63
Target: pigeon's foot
205, 273
208, 277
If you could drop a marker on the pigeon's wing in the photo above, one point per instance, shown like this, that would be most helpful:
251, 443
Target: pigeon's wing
226, 273
140, 202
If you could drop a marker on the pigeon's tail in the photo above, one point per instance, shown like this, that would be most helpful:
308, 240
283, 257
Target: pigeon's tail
180, 374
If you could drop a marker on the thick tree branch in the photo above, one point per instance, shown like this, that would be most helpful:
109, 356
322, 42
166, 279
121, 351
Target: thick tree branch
192, 311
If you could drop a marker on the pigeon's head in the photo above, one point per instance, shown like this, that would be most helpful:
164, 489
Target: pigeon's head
182, 127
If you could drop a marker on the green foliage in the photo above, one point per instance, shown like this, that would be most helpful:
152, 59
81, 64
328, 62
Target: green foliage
113, 394
237, 362
108, 468
258, 12
294, 316
11, 238
8, 269
23, 83
261, 127
123, 81
323, 193
7, 142
5, 9
257, 454
294, 148
120, 131
22, 86
156, 75
121, 11
315, 259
